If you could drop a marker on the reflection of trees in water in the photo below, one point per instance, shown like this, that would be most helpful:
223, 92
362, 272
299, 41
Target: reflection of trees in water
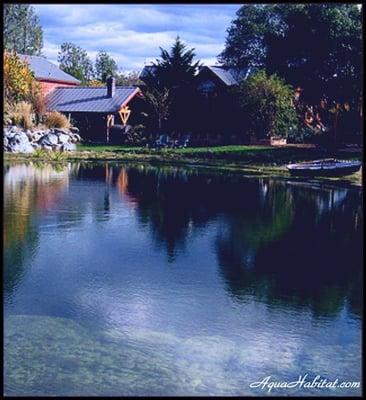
278, 242
307, 256
176, 201
28, 191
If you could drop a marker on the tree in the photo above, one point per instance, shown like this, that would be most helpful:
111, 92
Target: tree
75, 61
176, 68
267, 100
160, 102
317, 46
22, 31
105, 66
128, 79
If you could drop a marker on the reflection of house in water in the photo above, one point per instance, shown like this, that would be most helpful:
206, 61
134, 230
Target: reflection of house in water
28, 187
122, 183
28, 193
118, 176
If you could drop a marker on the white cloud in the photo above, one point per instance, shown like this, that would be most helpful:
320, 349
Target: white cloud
132, 34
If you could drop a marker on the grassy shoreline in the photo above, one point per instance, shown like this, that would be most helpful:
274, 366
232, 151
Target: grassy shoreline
248, 160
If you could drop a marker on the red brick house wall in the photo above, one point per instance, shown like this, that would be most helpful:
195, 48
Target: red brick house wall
48, 86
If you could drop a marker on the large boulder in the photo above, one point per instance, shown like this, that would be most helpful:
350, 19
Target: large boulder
22, 147
19, 137
49, 140
63, 138
11, 131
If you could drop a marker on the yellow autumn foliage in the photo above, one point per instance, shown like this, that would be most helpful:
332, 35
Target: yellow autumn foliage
19, 81
95, 83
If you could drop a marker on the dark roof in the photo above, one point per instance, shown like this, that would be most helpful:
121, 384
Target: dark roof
148, 70
89, 99
44, 69
229, 76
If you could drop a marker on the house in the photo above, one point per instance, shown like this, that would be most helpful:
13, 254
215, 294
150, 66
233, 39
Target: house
95, 109
214, 113
48, 74
221, 117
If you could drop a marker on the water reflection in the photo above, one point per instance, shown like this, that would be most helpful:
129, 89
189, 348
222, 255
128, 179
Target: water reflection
303, 248
29, 190
216, 271
280, 241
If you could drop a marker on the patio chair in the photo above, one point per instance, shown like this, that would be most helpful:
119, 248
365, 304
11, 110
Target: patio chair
164, 141
182, 141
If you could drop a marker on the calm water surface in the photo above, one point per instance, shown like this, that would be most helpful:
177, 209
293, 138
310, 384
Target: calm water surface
140, 280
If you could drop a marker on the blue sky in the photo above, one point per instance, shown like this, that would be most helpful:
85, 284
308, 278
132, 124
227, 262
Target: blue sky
132, 33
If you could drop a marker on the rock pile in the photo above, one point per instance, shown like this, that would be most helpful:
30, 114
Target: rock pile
18, 140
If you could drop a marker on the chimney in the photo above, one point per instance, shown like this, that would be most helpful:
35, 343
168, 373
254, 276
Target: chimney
111, 86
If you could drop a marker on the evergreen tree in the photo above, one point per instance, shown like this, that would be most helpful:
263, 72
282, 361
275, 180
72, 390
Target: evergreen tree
22, 31
175, 71
176, 68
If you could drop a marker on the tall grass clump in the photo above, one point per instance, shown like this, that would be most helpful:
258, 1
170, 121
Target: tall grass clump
20, 114
54, 119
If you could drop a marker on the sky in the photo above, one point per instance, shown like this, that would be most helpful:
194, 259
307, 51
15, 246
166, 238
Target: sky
133, 33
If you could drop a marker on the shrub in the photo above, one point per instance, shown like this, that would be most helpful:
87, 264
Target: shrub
136, 135
267, 102
54, 119
21, 114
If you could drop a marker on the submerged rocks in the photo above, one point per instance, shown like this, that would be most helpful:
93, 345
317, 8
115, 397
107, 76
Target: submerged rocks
18, 140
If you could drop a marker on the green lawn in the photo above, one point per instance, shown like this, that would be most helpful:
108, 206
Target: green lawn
217, 149
240, 153
101, 147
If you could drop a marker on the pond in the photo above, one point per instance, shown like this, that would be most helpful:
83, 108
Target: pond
160, 280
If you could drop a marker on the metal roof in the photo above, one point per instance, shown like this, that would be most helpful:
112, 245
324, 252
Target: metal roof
147, 71
44, 69
230, 76
89, 99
